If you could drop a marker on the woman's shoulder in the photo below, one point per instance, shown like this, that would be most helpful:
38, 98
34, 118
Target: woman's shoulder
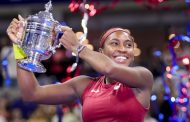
146, 75
80, 83
143, 70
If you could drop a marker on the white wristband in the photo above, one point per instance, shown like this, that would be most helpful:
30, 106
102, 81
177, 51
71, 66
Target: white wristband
79, 49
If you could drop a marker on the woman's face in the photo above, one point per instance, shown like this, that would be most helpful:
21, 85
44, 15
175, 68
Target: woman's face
119, 46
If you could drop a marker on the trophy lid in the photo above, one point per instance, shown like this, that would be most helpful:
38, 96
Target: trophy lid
43, 15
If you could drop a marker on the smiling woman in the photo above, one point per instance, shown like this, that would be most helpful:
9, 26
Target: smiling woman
122, 94
121, 42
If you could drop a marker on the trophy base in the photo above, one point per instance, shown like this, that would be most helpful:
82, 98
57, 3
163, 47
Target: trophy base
30, 66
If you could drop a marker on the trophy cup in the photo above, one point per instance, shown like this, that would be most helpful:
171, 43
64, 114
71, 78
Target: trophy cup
39, 40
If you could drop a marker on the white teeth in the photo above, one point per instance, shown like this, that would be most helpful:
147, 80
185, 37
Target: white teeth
120, 58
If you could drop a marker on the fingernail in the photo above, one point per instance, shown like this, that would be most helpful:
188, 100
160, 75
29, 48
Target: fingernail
19, 16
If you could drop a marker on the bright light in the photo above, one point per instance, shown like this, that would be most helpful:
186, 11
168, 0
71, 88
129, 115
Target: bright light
183, 109
86, 6
184, 90
91, 7
177, 99
188, 1
69, 69
181, 100
160, 1
168, 75
71, 5
174, 69
171, 36
89, 46
167, 89
153, 98
72, 9
185, 38
173, 99
185, 61
168, 69
165, 97
157, 53
188, 84
161, 116
92, 12
137, 51
185, 100
177, 45
76, 5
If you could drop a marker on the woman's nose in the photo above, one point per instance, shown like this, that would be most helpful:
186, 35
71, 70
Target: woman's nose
122, 48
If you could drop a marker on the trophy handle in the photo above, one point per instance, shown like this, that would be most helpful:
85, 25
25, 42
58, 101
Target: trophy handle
57, 44
52, 48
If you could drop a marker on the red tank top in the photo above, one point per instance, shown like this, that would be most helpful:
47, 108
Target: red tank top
104, 103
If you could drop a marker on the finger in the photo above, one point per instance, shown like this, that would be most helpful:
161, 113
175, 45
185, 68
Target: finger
19, 34
22, 24
21, 21
11, 31
63, 40
14, 25
13, 28
16, 28
15, 21
20, 18
65, 28
20, 30
12, 36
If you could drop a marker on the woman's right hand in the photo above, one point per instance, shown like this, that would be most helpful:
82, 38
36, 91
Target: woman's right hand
15, 29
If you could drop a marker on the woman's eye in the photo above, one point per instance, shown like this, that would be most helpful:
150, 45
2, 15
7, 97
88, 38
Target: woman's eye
128, 45
114, 43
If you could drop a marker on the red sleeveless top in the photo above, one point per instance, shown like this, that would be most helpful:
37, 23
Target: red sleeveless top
110, 103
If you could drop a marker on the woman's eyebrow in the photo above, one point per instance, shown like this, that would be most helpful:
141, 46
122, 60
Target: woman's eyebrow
128, 40
115, 39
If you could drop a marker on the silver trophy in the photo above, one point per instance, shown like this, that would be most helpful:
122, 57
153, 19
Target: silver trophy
40, 39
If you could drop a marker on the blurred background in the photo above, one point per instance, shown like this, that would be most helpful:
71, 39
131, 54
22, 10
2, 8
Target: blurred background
161, 31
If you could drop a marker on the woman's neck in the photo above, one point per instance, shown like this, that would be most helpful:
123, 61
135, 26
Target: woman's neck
108, 80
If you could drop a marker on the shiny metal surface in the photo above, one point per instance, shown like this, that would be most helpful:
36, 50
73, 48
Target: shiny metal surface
39, 39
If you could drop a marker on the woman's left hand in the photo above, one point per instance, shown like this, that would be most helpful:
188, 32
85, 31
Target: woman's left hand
69, 39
